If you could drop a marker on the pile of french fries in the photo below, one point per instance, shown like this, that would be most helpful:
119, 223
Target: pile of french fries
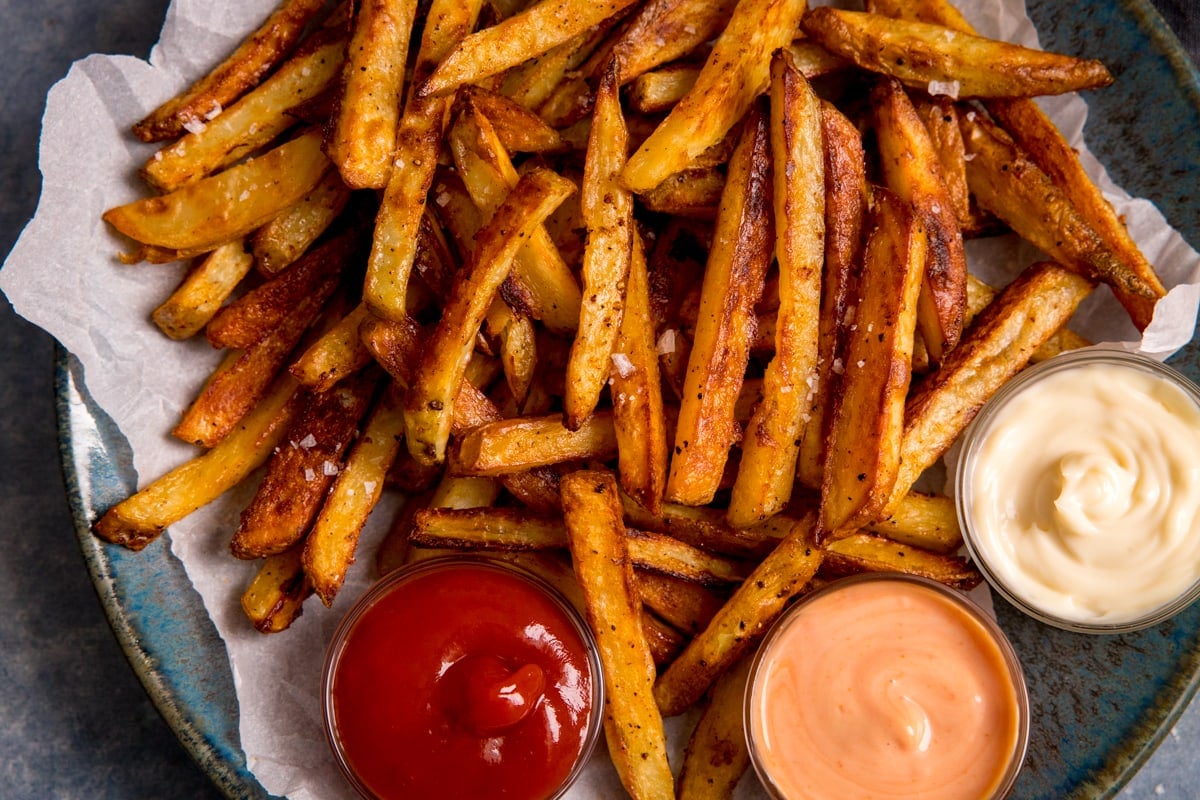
666, 301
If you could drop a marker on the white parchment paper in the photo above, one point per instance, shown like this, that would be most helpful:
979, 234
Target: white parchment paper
63, 275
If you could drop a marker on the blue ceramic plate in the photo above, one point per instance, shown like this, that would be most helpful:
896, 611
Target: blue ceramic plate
1100, 704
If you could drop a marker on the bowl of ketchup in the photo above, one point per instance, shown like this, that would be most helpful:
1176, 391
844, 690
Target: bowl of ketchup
462, 677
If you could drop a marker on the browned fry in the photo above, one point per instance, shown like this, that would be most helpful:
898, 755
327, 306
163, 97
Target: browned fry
733, 282
690, 193
534, 31
608, 214
864, 552
912, 169
276, 595
772, 441
979, 295
522, 443
633, 726
996, 347
330, 547
245, 376
703, 527
418, 144
243, 69
663, 640
285, 238
940, 115
430, 400
252, 122
639, 420
664, 30
717, 755
742, 621
393, 344
221, 208
451, 492
487, 529
669, 556
532, 83
863, 451
362, 133
928, 521
300, 472
203, 290
921, 54
845, 212
1007, 183
735, 74
519, 129
336, 354
686, 605
138, 520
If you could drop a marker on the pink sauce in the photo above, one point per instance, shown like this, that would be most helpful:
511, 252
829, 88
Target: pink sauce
884, 689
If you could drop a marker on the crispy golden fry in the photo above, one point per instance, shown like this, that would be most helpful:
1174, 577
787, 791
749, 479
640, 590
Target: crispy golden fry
521, 443
275, 598
489, 176
864, 552
921, 55
532, 84
203, 290
863, 453
664, 30
518, 128
735, 74
429, 404
979, 295
608, 214
418, 144
362, 133
742, 621
487, 529
928, 521
669, 556
996, 347
336, 354
243, 69
285, 238
684, 604
221, 208
639, 421
536, 30
716, 755
1036, 134
252, 122
940, 115
691, 193
245, 376
299, 473
663, 641
1008, 184
772, 442
451, 492
845, 213
330, 547
138, 520
633, 726
733, 281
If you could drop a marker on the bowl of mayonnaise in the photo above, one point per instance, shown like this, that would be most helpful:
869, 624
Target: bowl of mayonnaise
1078, 491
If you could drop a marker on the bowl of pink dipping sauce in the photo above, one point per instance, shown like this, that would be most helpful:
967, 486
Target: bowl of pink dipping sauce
886, 686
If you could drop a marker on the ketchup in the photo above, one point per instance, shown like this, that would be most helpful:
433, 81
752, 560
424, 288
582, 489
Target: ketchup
461, 679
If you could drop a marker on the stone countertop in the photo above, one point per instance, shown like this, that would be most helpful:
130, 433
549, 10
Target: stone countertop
74, 720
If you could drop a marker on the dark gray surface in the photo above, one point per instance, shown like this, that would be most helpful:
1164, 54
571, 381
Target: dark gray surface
74, 721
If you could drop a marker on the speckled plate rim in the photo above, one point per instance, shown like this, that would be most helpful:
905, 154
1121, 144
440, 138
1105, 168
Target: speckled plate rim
162, 646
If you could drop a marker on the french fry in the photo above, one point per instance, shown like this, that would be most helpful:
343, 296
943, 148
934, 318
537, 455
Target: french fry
244, 68
534, 31
534, 82
663, 641
979, 295
665, 30
716, 755
223, 207
282, 240
633, 726
522, 443
429, 404
418, 145
276, 595
1007, 183
940, 115
362, 133
206, 286
772, 442
735, 74
252, 122
608, 214
504, 529
996, 347
928, 521
669, 556
336, 354
703, 527
742, 621
299, 474
518, 128
864, 442
921, 54
331, 545
138, 520
733, 281
690, 193
864, 552
912, 169
684, 604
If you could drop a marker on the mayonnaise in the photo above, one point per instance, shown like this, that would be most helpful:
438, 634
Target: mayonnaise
1081, 492
886, 688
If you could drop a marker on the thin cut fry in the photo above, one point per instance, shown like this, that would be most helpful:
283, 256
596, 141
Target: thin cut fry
716, 755
521, 443
203, 290
336, 354
275, 598
285, 238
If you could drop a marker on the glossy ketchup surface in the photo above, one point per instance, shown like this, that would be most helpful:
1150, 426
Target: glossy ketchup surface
463, 680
